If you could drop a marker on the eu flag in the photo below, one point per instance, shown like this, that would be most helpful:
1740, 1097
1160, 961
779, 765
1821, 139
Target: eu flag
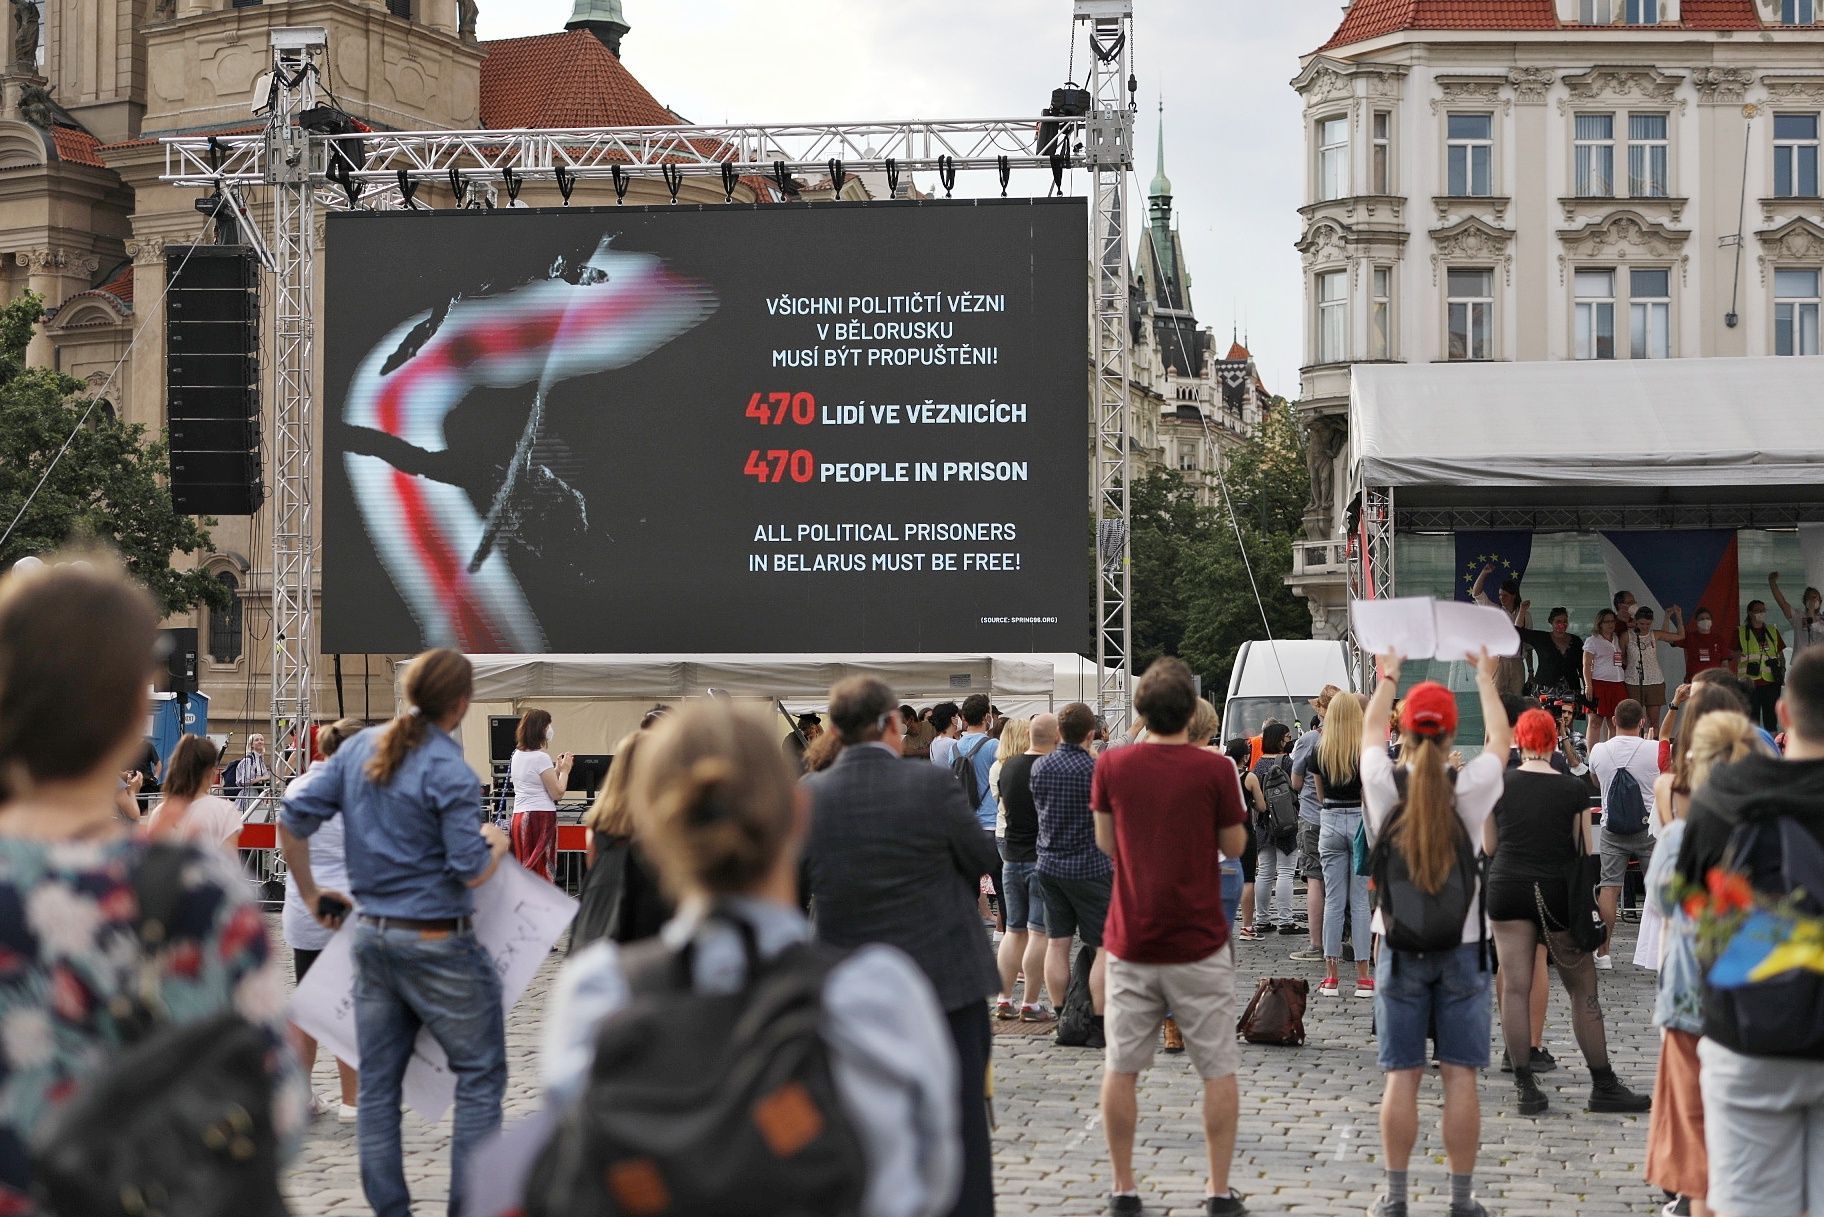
1507, 552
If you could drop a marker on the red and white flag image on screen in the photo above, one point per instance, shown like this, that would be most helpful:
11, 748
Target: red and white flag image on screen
437, 547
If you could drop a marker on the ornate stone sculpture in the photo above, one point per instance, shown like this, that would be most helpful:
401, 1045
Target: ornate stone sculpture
25, 34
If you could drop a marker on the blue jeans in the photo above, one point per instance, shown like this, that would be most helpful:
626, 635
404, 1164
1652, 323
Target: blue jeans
1416, 995
405, 982
1231, 891
1336, 849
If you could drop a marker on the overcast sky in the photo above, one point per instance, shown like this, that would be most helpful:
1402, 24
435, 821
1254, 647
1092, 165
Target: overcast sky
1234, 147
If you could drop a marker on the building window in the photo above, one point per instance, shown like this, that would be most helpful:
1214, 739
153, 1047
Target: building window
1380, 314
1332, 158
1650, 314
1596, 12
1187, 458
1648, 156
1643, 12
225, 631
1595, 291
1798, 12
1470, 140
1795, 156
1471, 310
1594, 136
1795, 312
1333, 316
400, 8
1381, 170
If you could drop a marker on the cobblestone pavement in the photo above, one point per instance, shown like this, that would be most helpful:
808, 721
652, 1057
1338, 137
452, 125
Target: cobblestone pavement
1309, 1142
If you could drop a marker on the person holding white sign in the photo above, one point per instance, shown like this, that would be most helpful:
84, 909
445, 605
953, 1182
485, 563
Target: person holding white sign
416, 849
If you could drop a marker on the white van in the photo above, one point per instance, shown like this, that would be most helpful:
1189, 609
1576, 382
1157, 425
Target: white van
1278, 680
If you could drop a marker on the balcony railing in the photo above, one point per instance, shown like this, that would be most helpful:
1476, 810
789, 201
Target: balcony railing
1311, 559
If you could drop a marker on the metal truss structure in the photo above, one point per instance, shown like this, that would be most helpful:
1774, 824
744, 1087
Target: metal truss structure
301, 173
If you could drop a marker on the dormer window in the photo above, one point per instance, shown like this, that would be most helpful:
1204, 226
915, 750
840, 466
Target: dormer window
1596, 12
1643, 12
1798, 12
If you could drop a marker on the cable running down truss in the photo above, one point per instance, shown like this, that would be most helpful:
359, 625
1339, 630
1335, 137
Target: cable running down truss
293, 164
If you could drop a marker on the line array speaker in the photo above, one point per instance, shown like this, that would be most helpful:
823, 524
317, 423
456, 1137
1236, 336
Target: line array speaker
212, 375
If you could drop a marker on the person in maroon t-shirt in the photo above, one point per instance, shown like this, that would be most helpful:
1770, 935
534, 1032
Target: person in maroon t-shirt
1166, 811
1706, 647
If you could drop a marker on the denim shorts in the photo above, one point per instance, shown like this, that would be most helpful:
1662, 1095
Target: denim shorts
1022, 898
1412, 990
1076, 907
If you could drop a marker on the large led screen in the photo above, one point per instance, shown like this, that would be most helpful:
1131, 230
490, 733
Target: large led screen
824, 428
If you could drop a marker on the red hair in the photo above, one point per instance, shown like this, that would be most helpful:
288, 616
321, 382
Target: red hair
1536, 732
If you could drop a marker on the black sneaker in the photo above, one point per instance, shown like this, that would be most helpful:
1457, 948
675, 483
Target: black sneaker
1678, 1206
1125, 1206
1383, 1207
1295, 928
1225, 1206
1472, 1209
1531, 1100
1541, 1061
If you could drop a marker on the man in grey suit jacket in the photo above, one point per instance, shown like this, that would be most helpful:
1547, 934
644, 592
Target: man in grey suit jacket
896, 856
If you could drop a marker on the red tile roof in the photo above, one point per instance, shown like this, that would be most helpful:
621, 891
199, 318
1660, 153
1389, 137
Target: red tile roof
145, 141
1368, 19
77, 147
563, 80
1237, 351
1720, 15
1374, 18
120, 286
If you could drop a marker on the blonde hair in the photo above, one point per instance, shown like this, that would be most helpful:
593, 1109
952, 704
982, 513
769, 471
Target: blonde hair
1205, 723
1016, 737
435, 684
1339, 749
612, 815
714, 800
1721, 737
1426, 832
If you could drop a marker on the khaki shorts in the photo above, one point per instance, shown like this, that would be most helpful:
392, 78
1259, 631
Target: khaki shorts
1200, 995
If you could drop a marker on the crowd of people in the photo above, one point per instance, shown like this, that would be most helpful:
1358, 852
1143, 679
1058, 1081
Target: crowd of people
780, 982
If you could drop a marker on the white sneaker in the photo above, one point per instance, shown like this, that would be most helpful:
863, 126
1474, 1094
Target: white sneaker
1604, 964
346, 1113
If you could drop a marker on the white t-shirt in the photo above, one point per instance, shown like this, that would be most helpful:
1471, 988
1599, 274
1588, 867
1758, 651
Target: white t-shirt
328, 867
1479, 786
1638, 756
209, 818
1805, 634
1607, 658
1640, 660
529, 793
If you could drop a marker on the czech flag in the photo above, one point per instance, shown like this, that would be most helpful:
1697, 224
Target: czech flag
1686, 567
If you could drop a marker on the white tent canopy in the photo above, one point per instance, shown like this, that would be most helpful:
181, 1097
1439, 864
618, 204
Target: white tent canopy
1740, 427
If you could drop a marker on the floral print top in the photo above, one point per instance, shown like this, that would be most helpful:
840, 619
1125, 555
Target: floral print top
69, 948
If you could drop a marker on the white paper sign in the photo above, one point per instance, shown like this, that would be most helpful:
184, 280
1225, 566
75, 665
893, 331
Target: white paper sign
518, 917
1418, 627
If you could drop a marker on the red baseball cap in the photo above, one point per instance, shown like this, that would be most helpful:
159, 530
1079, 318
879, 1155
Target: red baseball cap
1429, 710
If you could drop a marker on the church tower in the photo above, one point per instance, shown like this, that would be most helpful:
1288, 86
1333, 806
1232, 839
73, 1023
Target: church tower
1166, 282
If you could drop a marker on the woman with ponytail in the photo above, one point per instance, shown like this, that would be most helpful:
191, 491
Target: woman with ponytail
416, 847
720, 812
188, 812
1440, 994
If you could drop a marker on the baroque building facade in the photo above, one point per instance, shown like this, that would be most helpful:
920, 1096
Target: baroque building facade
1555, 180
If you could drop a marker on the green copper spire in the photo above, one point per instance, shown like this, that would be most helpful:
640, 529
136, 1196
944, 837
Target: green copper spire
1162, 185
603, 18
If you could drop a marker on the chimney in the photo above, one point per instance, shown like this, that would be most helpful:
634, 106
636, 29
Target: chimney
602, 18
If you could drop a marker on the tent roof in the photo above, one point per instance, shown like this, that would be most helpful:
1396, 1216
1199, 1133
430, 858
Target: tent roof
1590, 431
788, 677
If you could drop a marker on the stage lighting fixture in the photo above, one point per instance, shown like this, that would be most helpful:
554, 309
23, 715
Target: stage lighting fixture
1068, 101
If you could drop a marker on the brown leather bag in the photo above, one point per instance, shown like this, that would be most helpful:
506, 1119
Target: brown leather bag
1276, 1013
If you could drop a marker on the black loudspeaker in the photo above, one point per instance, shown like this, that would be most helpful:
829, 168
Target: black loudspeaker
180, 661
212, 374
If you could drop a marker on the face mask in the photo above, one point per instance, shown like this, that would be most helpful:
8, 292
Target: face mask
1757, 619
550, 734
1703, 626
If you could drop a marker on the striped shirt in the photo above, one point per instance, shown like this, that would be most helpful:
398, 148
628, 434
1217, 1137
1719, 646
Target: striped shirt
1067, 828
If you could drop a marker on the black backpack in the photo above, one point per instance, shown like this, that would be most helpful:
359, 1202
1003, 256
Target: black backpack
1417, 920
962, 768
1076, 1018
1782, 1015
1624, 808
707, 1104
181, 1120
1280, 821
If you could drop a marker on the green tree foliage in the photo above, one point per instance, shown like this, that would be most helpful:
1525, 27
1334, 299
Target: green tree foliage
1191, 593
110, 488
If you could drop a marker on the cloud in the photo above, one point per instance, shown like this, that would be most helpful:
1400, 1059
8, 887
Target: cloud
1235, 148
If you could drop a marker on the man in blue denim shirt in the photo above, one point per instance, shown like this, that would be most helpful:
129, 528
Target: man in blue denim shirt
416, 847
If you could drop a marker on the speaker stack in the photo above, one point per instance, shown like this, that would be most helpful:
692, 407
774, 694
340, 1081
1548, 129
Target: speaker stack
212, 374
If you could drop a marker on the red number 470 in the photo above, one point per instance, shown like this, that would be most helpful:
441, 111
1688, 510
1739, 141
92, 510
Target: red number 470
772, 409
776, 464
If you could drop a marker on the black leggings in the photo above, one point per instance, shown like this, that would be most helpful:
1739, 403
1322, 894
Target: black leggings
1517, 940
